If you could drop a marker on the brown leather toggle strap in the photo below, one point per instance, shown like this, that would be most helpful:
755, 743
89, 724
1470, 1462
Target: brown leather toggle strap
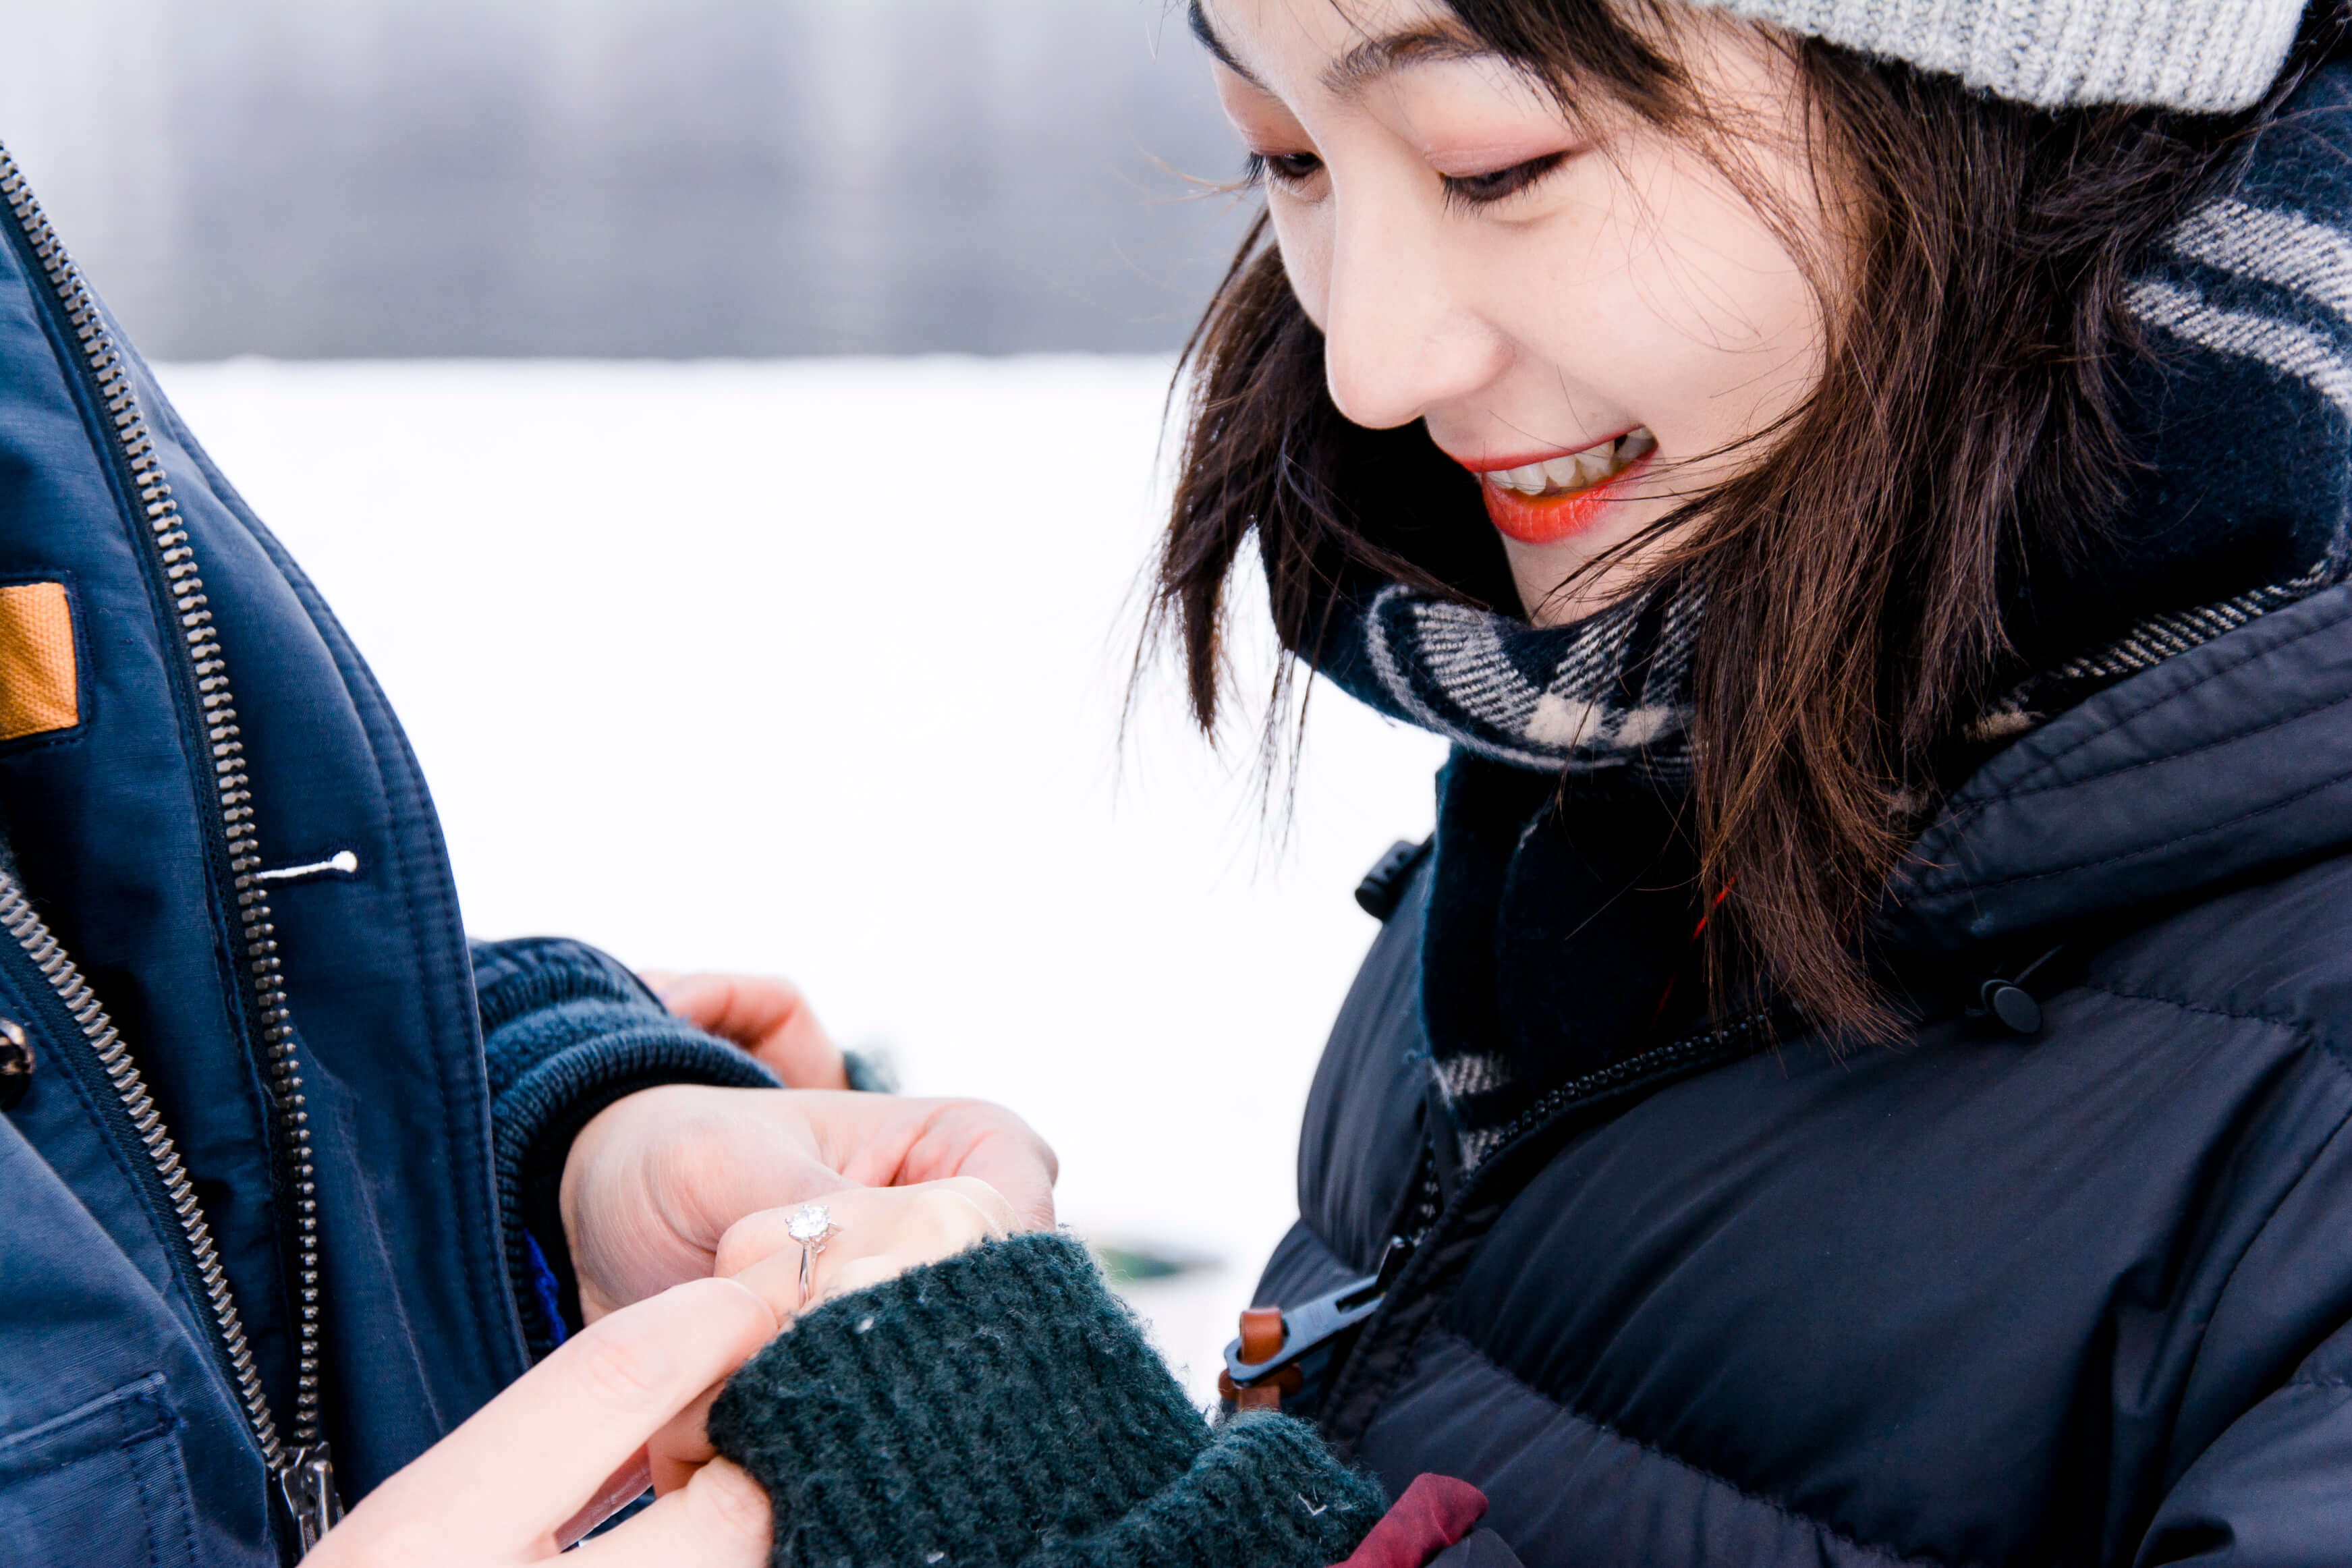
1262, 1333
1267, 1392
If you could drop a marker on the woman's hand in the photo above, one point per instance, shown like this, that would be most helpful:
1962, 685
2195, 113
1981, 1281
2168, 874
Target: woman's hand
769, 1018
624, 1399
655, 1181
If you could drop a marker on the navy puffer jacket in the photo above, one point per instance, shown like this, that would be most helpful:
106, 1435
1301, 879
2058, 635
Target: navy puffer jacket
2072, 1288
2079, 1296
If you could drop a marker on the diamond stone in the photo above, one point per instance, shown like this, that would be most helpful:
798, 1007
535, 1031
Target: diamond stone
809, 1224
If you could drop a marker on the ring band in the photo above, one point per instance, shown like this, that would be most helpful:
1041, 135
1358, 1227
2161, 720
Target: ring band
811, 1225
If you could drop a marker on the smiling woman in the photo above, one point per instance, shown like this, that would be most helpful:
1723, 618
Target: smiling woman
1792, 453
1712, 312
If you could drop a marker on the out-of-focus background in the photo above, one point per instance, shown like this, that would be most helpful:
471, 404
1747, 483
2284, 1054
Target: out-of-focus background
734, 431
322, 179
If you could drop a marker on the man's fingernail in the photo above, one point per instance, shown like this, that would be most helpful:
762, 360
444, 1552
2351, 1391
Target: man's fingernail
627, 1485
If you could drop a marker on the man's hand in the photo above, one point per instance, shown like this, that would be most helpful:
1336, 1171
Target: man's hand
627, 1397
769, 1018
656, 1181
624, 1402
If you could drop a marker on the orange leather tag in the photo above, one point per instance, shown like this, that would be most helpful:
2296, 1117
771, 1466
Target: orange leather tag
38, 689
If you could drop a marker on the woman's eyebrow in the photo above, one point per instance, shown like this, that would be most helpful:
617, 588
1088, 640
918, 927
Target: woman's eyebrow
1197, 19
1352, 71
1374, 57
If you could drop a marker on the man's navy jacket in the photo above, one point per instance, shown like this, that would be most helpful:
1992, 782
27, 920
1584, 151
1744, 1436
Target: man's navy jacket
258, 1095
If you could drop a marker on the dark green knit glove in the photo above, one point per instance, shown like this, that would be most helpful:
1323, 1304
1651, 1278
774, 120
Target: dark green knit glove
1001, 1408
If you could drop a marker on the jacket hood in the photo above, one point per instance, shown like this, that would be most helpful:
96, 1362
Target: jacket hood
2194, 670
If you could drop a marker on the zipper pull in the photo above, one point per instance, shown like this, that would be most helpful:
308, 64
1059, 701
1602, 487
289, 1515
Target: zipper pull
306, 1483
1393, 1258
1281, 1348
16, 1063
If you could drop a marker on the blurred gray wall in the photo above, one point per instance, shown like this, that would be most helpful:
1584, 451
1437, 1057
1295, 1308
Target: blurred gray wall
312, 178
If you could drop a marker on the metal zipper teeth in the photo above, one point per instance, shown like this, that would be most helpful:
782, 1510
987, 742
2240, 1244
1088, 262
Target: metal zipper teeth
1706, 1043
17, 915
170, 540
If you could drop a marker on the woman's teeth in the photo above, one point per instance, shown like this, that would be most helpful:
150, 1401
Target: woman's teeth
1579, 470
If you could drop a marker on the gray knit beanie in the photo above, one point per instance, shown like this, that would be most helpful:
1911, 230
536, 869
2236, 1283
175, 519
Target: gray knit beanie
2204, 56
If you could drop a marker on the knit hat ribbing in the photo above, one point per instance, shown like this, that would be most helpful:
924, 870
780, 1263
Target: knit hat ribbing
2208, 57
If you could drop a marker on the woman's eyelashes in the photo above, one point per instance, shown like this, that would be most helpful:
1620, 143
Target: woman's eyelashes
1291, 171
1295, 172
1498, 185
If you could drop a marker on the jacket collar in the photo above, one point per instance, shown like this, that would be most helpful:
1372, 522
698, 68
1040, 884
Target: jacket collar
2233, 760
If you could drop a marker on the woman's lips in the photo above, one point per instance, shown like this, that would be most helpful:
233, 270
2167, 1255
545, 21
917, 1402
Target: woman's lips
1566, 506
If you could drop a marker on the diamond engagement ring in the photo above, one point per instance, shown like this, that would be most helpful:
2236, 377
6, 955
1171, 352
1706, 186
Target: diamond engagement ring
811, 1225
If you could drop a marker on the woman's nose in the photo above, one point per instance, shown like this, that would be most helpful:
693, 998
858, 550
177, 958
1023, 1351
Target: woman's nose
1399, 335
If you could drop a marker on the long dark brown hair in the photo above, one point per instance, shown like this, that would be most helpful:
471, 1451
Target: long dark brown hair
1853, 569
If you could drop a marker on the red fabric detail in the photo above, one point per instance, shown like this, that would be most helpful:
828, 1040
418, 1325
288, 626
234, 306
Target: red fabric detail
1435, 1512
1658, 1013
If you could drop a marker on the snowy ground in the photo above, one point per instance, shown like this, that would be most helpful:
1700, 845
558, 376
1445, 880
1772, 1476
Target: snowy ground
815, 667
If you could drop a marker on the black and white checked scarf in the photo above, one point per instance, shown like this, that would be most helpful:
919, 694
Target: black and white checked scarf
1612, 690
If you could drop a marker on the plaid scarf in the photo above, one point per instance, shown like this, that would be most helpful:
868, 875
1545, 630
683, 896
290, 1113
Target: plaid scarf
1609, 691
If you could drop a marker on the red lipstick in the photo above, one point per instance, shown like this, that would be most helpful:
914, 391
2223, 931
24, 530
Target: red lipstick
1548, 519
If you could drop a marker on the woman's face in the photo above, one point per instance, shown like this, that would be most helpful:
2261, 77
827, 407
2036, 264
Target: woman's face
1584, 313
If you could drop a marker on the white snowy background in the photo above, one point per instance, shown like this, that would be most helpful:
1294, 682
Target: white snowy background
816, 668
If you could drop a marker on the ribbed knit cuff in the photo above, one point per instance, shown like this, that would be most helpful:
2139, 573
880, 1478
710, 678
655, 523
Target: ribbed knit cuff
867, 1073
566, 1031
1002, 1408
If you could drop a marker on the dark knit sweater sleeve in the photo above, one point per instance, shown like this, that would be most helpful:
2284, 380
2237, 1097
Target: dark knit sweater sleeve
1001, 1408
566, 1031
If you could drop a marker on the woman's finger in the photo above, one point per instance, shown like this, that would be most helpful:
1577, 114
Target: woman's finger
860, 1273
683, 1446
994, 1211
507, 1480
717, 1520
878, 1233
925, 1222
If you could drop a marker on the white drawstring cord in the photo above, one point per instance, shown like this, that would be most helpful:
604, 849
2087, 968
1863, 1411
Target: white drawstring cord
342, 863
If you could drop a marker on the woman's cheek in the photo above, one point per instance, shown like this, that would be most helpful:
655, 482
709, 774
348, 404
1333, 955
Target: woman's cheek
1302, 233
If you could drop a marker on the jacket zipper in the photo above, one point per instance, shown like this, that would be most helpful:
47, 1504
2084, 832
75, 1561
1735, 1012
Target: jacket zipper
1698, 1049
303, 1466
1315, 1330
177, 1193
1434, 1253
1702, 1048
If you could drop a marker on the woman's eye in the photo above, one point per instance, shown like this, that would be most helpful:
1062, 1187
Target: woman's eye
1289, 170
1485, 190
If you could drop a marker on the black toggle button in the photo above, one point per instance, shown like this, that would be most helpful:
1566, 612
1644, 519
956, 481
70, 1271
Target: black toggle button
1382, 888
16, 1063
2012, 1005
